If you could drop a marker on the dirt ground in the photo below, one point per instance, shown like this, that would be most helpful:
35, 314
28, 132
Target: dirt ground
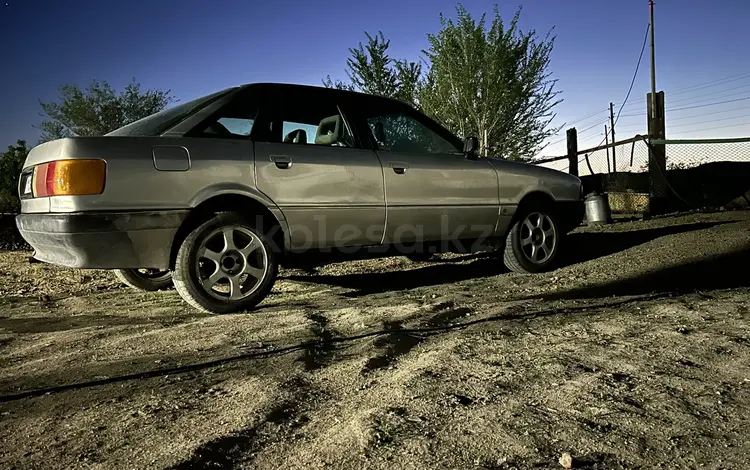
634, 354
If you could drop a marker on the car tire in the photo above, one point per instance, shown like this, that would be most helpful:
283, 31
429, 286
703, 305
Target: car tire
210, 255
145, 279
533, 241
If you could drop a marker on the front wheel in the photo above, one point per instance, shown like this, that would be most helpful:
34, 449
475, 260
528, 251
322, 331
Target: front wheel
145, 279
225, 265
533, 241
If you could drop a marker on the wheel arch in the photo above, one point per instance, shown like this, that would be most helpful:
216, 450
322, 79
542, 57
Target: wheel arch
232, 201
535, 198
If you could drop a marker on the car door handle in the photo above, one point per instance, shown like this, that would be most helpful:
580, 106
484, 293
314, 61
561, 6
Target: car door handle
282, 162
399, 167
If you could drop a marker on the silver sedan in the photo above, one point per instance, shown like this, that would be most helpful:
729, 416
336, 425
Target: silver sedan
211, 194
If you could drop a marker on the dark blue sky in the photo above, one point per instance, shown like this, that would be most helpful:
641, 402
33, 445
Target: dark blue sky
194, 48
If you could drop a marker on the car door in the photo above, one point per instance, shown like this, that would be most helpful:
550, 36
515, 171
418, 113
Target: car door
433, 192
330, 190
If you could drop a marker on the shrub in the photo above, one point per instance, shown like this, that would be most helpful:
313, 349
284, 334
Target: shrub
11, 164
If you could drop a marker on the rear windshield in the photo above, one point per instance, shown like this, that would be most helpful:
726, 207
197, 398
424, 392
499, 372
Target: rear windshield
159, 122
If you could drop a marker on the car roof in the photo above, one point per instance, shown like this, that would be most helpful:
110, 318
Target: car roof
356, 95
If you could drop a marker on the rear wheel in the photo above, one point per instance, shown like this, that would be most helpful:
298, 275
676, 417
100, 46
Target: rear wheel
533, 241
145, 279
225, 265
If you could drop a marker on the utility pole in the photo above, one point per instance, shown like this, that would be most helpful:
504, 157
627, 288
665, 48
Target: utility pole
660, 199
572, 138
655, 112
612, 123
606, 141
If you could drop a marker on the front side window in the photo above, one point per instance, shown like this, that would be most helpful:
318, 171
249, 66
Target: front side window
298, 132
399, 132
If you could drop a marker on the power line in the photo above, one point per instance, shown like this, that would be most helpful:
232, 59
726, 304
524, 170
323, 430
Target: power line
588, 117
720, 81
636, 104
552, 144
599, 123
591, 137
633, 114
632, 82
635, 75
696, 87
633, 126
682, 118
696, 106
709, 104
682, 100
720, 127
593, 126
709, 121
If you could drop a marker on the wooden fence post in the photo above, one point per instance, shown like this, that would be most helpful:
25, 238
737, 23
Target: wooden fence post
659, 193
572, 136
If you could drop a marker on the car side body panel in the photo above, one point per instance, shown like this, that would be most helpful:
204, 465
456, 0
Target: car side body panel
519, 180
433, 197
133, 182
329, 196
137, 194
516, 180
326, 196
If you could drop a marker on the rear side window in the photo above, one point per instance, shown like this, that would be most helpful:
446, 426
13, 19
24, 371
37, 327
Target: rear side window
162, 121
235, 120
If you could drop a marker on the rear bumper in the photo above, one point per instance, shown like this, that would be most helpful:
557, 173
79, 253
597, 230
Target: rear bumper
570, 214
102, 240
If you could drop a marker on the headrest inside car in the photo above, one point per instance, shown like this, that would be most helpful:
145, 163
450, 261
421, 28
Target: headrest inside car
329, 131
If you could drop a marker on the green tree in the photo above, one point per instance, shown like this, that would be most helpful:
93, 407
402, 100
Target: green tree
493, 83
11, 164
98, 109
372, 70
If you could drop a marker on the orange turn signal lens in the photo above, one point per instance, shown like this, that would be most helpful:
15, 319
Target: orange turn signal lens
69, 178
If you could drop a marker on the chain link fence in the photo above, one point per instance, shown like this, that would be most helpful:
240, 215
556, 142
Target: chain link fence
630, 156
683, 154
706, 173
699, 174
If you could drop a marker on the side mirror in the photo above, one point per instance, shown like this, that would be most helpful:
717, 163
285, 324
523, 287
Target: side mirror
471, 144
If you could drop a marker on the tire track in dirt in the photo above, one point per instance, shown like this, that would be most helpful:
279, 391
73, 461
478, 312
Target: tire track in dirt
320, 352
400, 340
281, 423
395, 344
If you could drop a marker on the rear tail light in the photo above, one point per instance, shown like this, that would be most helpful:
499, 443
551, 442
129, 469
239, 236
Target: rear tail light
69, 178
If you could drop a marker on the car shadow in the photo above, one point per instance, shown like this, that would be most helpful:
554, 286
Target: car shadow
52, 324
586, 246
581, 247
60, 323
727, 271
374, 283
391, 334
